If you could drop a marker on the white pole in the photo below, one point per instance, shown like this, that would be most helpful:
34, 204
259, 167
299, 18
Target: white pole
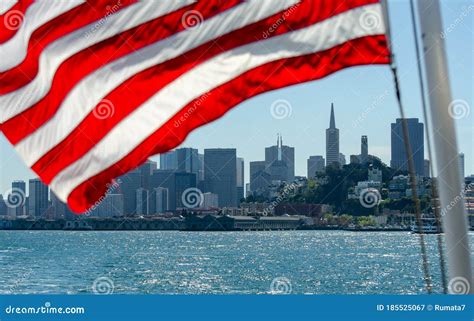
446, 151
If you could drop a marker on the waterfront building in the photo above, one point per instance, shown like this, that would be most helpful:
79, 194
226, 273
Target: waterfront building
332, 141
38, 199
399, 159
307, 209
280, 161
220, 174
240, 179
241, 223
364, 149
315, 164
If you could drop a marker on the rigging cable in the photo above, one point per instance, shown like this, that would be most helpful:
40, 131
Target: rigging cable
434, 192
411, 165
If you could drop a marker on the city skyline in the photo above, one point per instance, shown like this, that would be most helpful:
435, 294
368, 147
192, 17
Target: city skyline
363, 95
189, 160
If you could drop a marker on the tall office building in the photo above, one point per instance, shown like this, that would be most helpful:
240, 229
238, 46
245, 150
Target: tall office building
220, 175
110, 206
364, 149
315, 164
200, 176
181, 160
160, 197
426, 168
19, 188
188, 160
165, 179
60, 209
128, 187
259, 177
342, 159
332, 141
38, 200
143, 198
240, 179
169, 160
146, 169
461, 165
280, 161
399, 159
3, 206
182, 182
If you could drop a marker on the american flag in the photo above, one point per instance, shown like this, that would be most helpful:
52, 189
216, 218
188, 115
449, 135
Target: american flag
90, 89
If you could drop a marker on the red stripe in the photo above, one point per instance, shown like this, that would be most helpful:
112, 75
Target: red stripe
69, 75
56, 28
12, 20
367, 50
145, 84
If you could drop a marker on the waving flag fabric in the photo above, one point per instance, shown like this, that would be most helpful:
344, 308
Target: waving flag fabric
90, 89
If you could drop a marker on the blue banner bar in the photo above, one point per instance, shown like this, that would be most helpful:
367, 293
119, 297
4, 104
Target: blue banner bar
236, 307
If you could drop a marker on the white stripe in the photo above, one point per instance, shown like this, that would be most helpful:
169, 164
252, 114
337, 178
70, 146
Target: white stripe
40, 12
134, 129
90, 91
59, 51
6, 5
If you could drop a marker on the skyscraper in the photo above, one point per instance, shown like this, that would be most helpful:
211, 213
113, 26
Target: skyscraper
426, 168
110, 206
129, 183
259, 178
19, 188
332, 141
280, 161
38, 198
169, 160
399, 159
164, 179
182, 182
143, 197
315, 164
220, 174
342, 159
181, 160
146, 169
240, 179
160, 196
3, 206
364, 149
461, 165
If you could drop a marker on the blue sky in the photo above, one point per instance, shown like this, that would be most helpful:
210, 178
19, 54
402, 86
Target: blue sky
363, 97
